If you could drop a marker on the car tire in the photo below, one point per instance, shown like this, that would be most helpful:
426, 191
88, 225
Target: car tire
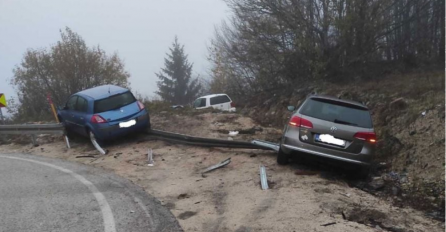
282, 157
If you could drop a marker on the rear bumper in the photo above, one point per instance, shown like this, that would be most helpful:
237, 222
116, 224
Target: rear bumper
291, 142
106, 132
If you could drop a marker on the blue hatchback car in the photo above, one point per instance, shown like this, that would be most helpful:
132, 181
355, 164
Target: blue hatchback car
104, 112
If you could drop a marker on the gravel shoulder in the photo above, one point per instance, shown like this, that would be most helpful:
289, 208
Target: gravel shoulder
230, 198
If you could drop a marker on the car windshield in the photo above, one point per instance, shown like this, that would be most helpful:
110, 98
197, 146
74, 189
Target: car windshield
200, 102
113, 102
337, 112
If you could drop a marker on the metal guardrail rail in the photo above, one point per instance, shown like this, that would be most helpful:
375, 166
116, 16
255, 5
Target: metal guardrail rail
204, 142
32, 129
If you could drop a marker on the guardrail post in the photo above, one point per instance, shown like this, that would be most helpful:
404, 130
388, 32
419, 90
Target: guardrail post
33, 138
67, 141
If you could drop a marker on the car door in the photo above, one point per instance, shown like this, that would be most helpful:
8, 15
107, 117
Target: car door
80, 115
67, 113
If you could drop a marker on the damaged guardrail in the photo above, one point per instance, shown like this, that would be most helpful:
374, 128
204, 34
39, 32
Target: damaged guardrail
266, 144
34, 129
205, 142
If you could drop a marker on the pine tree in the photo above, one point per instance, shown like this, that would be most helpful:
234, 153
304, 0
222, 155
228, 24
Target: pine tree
176, 84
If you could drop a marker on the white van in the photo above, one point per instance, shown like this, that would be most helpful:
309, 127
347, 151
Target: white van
216, 101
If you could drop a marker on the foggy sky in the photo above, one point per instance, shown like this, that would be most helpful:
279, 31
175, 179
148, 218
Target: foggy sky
141, 32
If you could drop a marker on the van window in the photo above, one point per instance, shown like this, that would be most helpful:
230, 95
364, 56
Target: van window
113, 102
220, 100
200, 102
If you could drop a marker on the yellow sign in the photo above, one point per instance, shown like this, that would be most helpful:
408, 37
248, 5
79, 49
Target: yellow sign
2, 100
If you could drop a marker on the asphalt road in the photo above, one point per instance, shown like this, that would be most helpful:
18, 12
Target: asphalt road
42, 194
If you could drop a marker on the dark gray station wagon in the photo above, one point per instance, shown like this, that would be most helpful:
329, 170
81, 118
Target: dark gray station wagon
332, 128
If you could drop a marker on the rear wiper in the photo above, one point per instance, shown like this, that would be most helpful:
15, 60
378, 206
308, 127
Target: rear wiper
344, 122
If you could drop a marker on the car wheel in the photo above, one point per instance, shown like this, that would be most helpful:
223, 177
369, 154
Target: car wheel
282, 157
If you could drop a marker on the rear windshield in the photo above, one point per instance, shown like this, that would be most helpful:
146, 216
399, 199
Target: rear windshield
220, 100
337, 112
113, 102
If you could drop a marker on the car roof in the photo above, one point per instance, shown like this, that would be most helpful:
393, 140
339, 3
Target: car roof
339, 100
102, 91
214, 95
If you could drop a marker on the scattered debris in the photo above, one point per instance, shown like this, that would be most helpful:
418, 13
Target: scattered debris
132, 211
150, 158
329, 224
398, 104
186, 215
177, 107
183, 196
117, 155
253, 155
263, 178
85, 156
233, 133
423, 113
305, 172
345, 194
376, 184
198, 202
219, 165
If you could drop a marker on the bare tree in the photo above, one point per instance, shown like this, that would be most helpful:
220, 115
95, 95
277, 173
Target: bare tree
64, 69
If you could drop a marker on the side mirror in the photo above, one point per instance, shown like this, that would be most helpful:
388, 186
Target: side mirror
291, 108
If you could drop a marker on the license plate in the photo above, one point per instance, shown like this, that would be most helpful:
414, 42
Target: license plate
127, 124
326, 138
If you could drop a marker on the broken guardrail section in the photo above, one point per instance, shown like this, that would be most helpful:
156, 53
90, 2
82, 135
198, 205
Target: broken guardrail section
266, 144
263, 178
204, 142
219, 165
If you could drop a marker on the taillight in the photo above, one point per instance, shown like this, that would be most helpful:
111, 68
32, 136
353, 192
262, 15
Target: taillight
140, 105
232, 104
300, 122
97, 119
367, 136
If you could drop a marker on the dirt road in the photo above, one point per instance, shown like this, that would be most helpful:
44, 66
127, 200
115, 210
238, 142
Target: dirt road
230, 198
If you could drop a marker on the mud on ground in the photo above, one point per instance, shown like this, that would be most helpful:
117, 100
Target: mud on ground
302, 197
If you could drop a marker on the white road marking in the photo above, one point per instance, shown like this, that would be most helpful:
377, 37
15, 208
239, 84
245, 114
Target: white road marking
107, 214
